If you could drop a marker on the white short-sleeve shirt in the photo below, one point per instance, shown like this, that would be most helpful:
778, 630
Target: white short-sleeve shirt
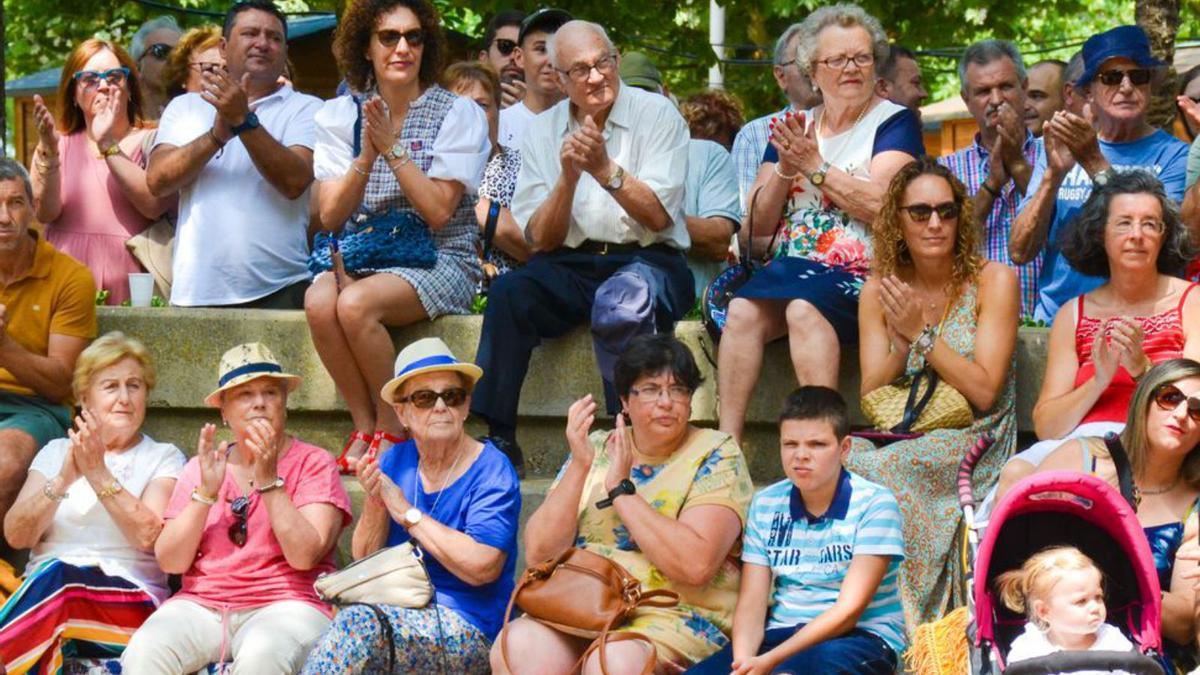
83, 533
645, 135
514, 122
238, 238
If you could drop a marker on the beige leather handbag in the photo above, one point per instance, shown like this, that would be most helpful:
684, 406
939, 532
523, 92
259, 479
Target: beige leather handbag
389, 576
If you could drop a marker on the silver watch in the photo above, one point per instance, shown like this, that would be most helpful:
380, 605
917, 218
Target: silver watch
924, 342
412, 517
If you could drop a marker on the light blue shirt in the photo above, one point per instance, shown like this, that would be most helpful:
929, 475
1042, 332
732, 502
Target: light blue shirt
709, 191
809, 556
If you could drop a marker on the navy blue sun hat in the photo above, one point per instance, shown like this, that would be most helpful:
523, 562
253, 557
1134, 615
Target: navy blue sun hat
1123, 41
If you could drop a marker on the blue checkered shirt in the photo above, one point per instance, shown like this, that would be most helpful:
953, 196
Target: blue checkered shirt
971, 166
748, 148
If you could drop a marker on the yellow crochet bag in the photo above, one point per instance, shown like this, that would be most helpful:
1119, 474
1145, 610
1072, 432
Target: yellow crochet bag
919, 403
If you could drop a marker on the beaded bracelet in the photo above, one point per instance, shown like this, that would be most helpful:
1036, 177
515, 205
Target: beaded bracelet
48, 491
783, 175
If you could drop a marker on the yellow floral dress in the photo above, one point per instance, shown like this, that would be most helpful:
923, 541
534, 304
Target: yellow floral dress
708, 469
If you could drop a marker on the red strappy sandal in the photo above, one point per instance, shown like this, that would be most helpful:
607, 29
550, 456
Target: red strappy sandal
345, 463
380, 436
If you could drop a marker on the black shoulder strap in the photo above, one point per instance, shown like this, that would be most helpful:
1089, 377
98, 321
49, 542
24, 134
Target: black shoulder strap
1120, 461
489, 227
357, 139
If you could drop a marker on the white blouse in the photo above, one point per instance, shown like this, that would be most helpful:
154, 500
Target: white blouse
460, 151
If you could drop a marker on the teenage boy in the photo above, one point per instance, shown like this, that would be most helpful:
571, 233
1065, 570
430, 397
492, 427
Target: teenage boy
822, 553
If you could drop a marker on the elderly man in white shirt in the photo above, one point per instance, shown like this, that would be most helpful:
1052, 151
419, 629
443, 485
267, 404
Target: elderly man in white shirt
600, 197
240, 155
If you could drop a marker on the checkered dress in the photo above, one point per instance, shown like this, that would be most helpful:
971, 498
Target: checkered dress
449, 286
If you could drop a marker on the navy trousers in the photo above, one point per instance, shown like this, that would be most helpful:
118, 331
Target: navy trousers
552, 294
858, 652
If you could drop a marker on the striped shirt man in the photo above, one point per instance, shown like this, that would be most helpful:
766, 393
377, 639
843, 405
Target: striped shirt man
971, 166
809, 556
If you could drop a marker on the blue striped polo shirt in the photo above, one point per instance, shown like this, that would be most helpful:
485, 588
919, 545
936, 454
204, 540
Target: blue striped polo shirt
809, 556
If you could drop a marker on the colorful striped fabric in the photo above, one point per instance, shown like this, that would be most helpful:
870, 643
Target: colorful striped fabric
81, 609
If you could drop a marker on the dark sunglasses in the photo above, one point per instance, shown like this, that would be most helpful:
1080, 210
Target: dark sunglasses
427, 398
1168, 397
391, 38
505, 47
90, 79
921, 213
159, 50
1137, 76
237, 531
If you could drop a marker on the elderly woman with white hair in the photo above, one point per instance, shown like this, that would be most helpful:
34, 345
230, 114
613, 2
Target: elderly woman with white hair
821, 183
91, 510
150, 47
456, 499
250, 526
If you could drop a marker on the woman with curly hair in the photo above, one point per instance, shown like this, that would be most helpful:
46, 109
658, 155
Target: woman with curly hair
197, 52
932, 302
715, 116
420, 153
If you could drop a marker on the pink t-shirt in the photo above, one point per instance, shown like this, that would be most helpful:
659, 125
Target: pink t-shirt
226, 576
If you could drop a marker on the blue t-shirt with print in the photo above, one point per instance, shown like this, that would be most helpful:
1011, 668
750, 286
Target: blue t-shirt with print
1162, 154
810, 556
485, 504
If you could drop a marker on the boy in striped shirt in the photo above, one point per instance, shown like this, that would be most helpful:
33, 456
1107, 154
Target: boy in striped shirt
821, 558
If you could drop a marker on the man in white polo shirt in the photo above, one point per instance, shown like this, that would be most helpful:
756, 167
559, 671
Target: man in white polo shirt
240, 155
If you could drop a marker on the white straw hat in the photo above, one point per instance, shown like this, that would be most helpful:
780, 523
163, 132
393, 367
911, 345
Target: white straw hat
427, 355
247, 362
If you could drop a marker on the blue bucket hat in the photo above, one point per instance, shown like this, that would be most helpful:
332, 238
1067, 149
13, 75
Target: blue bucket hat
1123, 41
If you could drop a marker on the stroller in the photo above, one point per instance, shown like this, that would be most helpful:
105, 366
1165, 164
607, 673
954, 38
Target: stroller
1061, 508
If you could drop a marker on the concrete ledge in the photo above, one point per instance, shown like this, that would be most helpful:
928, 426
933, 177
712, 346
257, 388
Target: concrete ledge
187, 345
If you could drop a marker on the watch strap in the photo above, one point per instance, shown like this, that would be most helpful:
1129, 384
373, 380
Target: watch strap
250, 122
625, 487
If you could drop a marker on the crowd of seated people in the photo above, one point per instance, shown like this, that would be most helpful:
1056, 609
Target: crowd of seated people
559, 177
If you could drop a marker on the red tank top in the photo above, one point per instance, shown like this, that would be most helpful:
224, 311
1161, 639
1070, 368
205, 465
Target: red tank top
1163, 340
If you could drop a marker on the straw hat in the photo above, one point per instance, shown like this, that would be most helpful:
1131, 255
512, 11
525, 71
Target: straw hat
247, 362
427, 355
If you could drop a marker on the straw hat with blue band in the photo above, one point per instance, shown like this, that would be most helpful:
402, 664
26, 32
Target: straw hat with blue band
427, 355
246, 362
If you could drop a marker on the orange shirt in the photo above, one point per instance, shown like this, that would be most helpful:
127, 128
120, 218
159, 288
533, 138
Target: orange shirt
57, 295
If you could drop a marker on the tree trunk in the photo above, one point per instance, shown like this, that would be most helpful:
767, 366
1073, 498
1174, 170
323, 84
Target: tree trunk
1160, 20
3, 94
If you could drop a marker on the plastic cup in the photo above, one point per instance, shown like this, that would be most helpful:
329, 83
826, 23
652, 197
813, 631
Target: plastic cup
141, 288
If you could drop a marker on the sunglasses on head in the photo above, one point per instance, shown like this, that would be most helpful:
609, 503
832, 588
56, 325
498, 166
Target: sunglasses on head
237, 531
1168, 397
391, 38
90, 79
1137, 76
159, 50
921, 213
504, 46
427, 398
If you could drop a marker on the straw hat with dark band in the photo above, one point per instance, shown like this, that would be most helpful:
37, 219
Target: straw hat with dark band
427, 355
246, 362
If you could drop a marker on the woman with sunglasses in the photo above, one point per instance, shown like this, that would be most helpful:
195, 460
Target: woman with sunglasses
821, 183
933, 302
1130, 234
90, 510
89, 177
421, 151
1162, 439
456, 499
250, 526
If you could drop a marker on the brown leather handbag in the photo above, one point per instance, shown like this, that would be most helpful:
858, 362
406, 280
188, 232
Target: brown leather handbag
584, 594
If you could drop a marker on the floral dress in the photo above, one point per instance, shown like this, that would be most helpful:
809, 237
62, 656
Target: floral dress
708, 469
921, 472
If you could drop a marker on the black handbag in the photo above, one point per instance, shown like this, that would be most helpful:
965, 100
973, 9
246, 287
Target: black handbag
375, 241
714, 303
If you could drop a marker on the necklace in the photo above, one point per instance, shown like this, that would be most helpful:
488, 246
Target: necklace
1161, 490
445, 480
858, 119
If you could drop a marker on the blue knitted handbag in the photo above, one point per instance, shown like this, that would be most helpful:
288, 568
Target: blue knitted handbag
375, 241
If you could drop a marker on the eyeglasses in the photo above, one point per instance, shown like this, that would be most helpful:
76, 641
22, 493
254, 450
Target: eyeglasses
787, 63
391, 38
1168, 397
652, 392
1126, 226
159, 50
427, 398
504, 46
90, 79
206, 66
840, 62
921, 213
237, 531
603, 65
1137, 76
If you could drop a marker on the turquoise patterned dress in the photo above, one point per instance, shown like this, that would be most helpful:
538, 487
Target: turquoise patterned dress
922, 474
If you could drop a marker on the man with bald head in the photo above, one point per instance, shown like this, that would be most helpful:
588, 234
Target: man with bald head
1043, 93
600, 197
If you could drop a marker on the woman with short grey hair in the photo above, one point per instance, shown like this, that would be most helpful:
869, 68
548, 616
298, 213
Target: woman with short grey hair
846, 16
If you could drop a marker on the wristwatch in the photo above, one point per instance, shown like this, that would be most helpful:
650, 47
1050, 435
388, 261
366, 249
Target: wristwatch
412, 517
625, 487
251, 122
1102, 177
817, 177
924, 342
616, 180
273, 485
399, 153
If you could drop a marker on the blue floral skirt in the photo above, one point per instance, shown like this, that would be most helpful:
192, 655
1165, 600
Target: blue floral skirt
356, 643
832, 290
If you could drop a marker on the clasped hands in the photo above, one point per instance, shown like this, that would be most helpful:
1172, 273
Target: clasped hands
584, 151
796, 142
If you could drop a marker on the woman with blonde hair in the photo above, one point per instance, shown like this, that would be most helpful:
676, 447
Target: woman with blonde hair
91, 511
196, 53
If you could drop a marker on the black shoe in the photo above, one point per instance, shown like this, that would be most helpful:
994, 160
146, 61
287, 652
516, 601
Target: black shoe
510, 450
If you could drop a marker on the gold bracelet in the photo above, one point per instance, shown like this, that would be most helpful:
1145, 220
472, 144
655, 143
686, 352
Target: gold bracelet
112, 489
114, 149
198, 496
48, 491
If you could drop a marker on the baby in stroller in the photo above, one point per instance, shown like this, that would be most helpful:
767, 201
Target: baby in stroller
1060, 589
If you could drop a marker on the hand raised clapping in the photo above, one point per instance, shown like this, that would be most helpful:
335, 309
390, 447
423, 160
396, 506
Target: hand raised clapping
580, 417
212, 461
901, 308
796, 142
227, 95
620, 457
